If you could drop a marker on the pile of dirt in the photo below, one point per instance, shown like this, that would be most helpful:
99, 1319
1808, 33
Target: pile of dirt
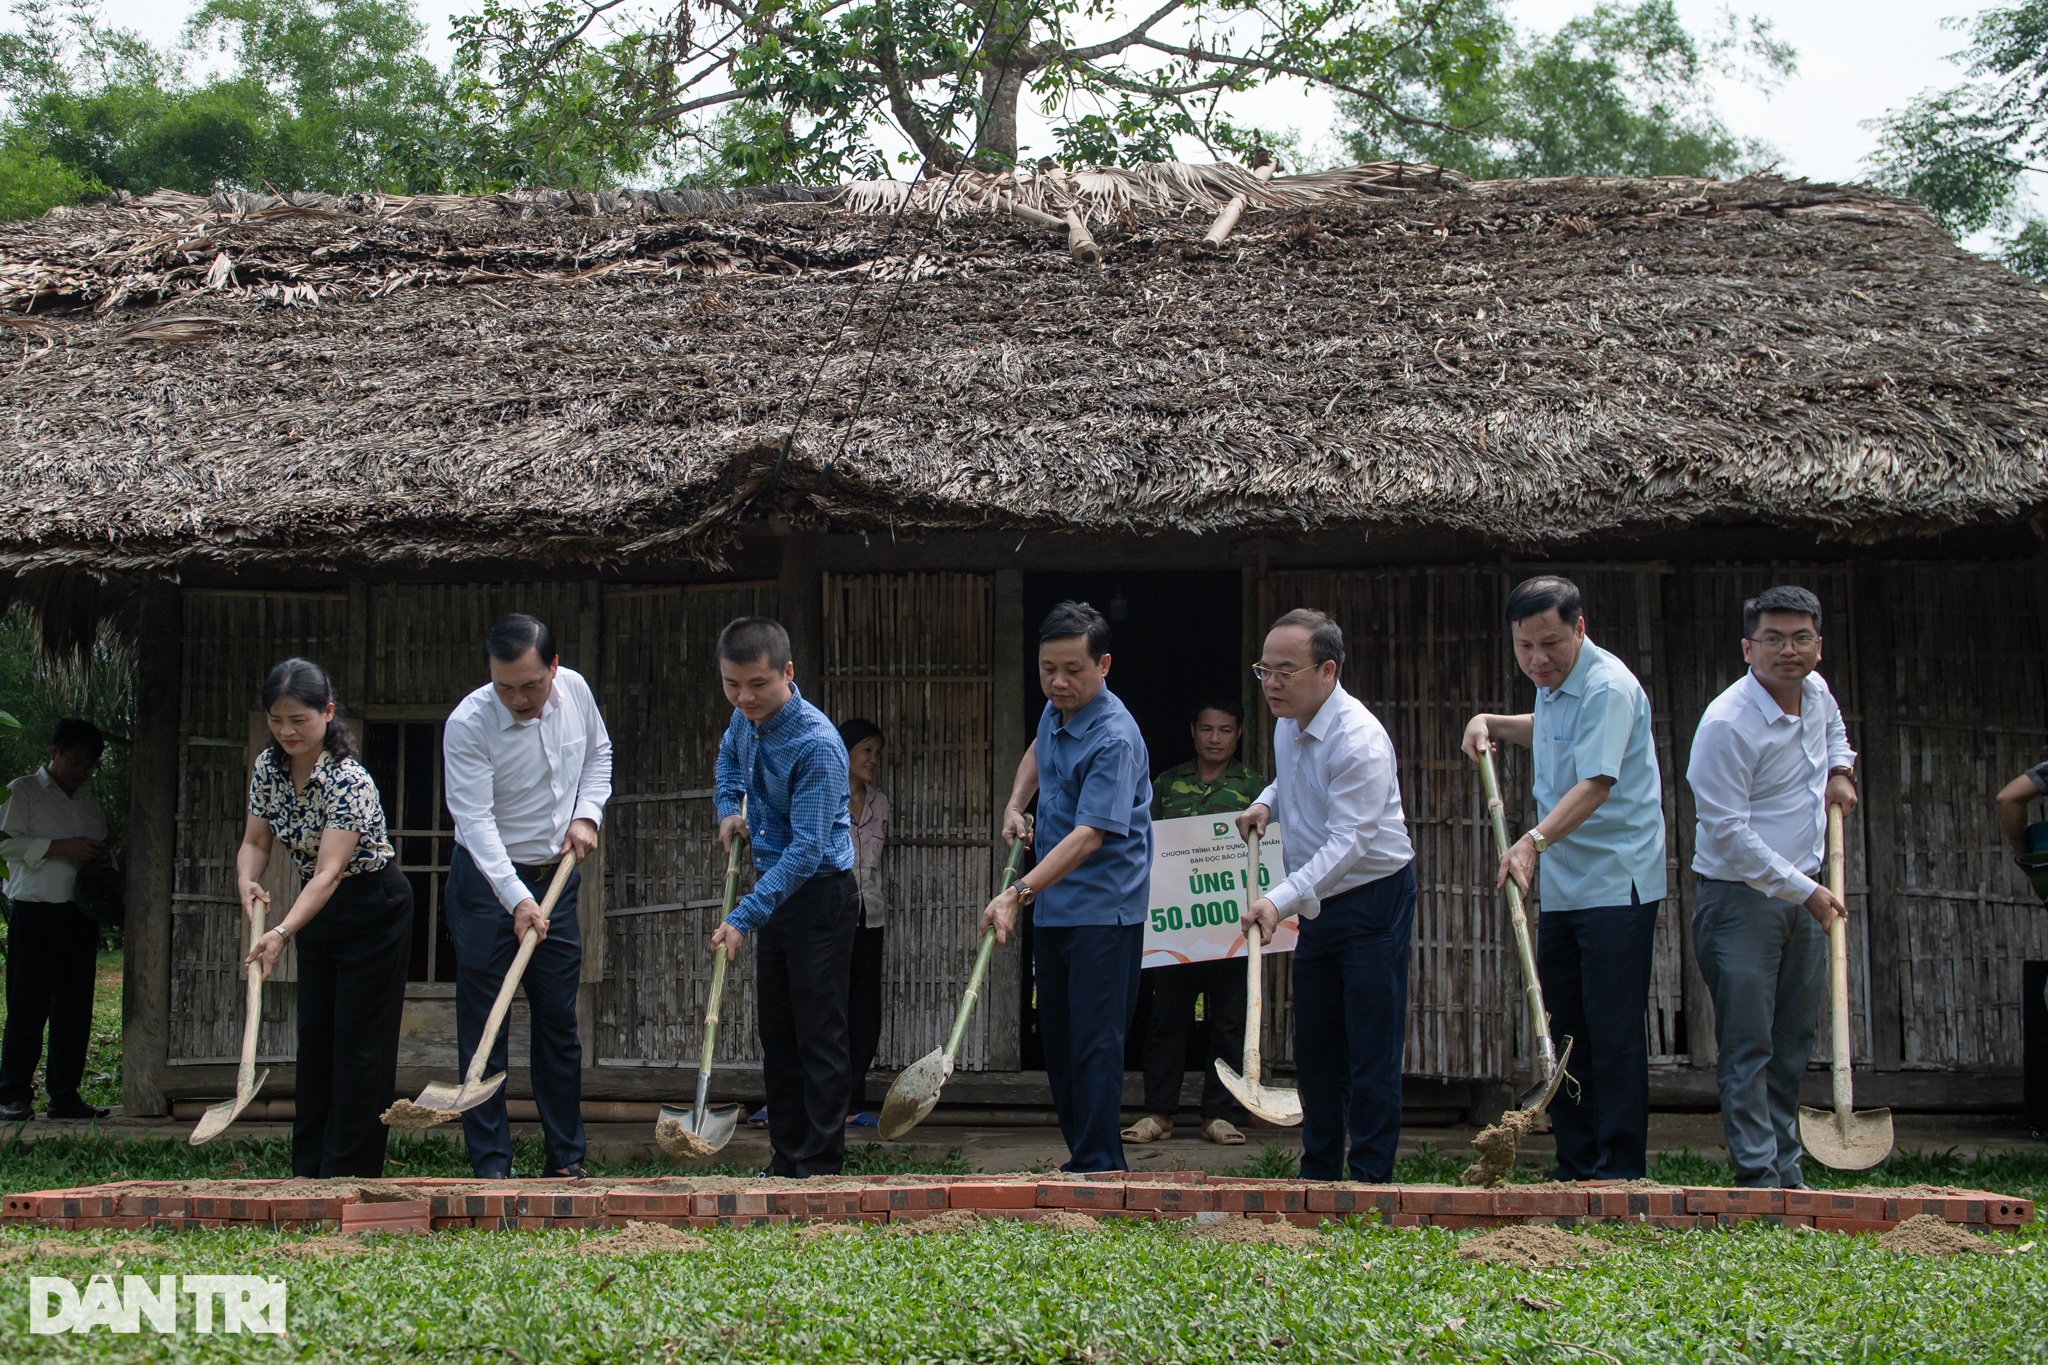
1532, 1247
637, 1237
1251, 1232
325, 1248
679, 1142
1066, 1220
1634, 1186
1496, 1147
806, 1233
952, 1220
113, 1253
1926, 1235
410, 1117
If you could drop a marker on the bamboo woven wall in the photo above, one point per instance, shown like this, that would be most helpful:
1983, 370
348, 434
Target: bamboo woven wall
913, 653
664, 870
231, 639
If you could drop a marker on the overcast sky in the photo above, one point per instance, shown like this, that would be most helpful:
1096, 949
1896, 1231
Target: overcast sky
1857, 58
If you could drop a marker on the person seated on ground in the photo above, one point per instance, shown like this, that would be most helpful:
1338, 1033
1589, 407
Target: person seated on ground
1213, 782
51, 829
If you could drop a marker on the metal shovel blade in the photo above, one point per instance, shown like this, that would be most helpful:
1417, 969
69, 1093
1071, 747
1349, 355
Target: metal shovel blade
914, 1094
1268, 1102
679, 1135
1538, 1099
217, 1117
1846, 1141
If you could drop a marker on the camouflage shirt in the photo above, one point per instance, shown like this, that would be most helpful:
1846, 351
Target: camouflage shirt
1178, 791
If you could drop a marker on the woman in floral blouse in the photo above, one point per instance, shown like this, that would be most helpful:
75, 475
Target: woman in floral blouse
352, 919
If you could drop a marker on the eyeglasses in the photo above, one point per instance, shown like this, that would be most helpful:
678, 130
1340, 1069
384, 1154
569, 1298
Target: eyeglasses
1805, 639
1263, 673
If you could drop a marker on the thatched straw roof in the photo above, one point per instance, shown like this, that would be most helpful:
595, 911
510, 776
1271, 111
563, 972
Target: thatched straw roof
562, 378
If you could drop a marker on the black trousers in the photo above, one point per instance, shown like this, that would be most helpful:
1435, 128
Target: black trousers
52, 949
863, 1012
1087, 979
1595, 967
484, 949
1350, 978
352, 962
803, 958
1172, 1028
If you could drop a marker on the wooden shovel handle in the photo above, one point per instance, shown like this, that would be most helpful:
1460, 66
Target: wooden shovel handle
1255, 981
718, 958
252, 1007
1838, 969
503, 1004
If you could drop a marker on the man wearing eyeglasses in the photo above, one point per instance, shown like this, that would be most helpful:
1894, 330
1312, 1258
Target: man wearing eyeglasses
1600, 834
1769, 758
1351, 881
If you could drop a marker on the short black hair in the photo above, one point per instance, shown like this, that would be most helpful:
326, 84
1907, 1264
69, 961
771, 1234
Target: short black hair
512, 634
1069, 619
854, 729
754, 637
1784, 598
72, 734
1546, 592
1325, 637
1228, 705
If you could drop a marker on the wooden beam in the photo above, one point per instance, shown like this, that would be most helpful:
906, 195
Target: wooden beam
152, 824
1009, 734
800, 607
1688, 702
1880, 772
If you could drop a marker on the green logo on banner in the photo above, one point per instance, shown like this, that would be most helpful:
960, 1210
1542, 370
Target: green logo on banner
1219, 829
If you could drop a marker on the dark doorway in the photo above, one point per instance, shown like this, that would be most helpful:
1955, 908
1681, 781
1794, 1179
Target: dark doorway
1175, 641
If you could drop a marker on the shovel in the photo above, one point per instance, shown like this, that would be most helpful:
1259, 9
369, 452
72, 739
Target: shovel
916, 1090
217, 1117
702, 1130
1273, 1105
1843, 1139
1550, 1062
440, 1101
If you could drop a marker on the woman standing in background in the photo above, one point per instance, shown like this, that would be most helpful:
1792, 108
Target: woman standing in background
869, 807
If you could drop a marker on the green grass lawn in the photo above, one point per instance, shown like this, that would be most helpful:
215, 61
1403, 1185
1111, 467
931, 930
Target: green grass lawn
1015, 1292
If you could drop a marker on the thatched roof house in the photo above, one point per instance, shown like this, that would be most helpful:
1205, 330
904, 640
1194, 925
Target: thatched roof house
358, 428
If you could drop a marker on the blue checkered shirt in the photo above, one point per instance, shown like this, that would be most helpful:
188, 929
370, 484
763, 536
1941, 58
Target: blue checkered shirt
792, 770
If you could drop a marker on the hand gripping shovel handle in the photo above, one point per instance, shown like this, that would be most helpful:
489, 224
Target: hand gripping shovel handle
1838, 973
502, 1006
1539, 1018
252, 1010
982, 956
718, 958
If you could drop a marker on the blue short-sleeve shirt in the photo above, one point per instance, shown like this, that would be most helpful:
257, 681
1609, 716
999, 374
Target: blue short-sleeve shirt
1597, 724
1093, 770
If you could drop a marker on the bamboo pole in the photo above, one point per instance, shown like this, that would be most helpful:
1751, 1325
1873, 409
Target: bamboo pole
1080, 245
1226, 221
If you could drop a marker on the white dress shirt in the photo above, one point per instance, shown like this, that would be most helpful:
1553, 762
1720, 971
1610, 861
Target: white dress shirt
513, 786
1759, 779
38, 814
1338, 803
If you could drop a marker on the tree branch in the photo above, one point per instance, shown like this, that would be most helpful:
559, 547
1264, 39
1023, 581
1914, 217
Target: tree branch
1110, 47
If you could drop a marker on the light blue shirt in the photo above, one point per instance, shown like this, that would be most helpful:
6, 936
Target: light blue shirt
1093, 771
1597, 724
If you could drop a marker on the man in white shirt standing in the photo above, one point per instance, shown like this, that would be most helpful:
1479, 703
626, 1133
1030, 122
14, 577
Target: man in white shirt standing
1351, 880
528, 769
1770, 756
50, 829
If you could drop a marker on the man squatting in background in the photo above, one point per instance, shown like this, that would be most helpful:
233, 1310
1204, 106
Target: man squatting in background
785, 758
1089, 892
1770, 756
1600, 834
1351, 881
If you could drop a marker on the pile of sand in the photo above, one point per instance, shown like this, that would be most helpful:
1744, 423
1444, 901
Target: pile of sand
678, 1142
1066, 1220
1532, 1247
1926, 1235
409, 1117
952, 1220
637, 1237
112, 1252
325, 1248
1496, 1147
1251, 1232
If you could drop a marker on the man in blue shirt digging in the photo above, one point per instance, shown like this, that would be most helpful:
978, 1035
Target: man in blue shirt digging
785, 758
1093, 780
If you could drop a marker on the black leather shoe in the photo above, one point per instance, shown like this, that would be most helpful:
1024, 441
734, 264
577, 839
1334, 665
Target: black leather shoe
18, 1112
75, 1109
573, 1171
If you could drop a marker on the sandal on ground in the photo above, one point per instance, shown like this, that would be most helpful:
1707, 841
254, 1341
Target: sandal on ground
1223, 1132
760, 1118
862, 1120
1148, 1129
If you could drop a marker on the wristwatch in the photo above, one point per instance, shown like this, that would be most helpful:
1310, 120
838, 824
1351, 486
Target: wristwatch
1538, 842
281, 932
1026, 893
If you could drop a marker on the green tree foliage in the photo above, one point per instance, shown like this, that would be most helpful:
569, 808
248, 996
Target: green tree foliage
1963, 151
1619, 91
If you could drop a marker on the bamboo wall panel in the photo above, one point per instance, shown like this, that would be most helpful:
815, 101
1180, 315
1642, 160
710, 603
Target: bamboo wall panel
427, 639
1425, 648
1963, 687
231, 639
663, 868
913, 653
1706, 658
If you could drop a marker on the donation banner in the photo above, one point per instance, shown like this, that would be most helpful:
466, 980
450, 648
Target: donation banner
1198, 891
